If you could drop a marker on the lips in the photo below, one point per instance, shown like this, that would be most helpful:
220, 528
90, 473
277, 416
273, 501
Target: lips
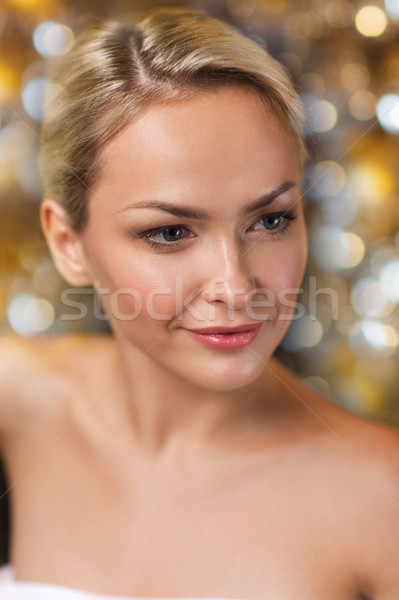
226, 330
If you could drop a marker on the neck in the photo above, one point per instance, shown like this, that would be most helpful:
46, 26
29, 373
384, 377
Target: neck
167, 412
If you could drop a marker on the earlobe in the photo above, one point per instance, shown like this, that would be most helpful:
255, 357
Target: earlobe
64, 244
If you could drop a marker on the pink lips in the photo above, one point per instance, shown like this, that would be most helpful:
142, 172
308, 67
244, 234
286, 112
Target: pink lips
226, 338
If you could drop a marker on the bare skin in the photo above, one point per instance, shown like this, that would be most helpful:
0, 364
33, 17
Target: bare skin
300, 504
146, 464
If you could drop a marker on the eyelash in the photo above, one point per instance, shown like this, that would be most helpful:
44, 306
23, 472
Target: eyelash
287, 215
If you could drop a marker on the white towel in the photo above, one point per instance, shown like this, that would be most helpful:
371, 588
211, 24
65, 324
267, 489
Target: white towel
26, 590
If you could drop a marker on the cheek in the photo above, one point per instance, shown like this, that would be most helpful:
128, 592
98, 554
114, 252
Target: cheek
292, 265
133, 289
280, 274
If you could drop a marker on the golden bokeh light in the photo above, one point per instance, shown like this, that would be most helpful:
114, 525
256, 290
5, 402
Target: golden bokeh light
370, 183
370, 21
362, 105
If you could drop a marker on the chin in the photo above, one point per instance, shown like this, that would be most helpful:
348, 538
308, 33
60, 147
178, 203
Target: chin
226, 375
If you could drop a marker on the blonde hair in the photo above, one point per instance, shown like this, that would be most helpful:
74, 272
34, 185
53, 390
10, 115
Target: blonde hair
115, 69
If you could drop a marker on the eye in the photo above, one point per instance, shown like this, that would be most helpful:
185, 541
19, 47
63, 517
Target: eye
166, 238
275, 222
171, 234
271, 222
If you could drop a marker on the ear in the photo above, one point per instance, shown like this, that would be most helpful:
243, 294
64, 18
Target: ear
64, 243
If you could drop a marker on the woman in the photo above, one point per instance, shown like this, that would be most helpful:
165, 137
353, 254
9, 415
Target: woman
177, 458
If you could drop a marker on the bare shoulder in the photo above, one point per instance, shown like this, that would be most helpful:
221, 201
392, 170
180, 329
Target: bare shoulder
361, 434
359, 439
370, 499
357, 460
32, 370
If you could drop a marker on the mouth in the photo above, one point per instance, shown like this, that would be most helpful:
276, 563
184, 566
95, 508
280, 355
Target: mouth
226, 338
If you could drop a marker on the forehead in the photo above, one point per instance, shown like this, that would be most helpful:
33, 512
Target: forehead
211, 143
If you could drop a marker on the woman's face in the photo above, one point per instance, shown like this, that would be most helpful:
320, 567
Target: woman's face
160, 274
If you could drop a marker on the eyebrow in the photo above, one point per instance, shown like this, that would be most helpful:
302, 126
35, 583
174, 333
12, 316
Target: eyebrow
191, 213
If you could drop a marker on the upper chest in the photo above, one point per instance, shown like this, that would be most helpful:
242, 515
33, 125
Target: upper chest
226, 531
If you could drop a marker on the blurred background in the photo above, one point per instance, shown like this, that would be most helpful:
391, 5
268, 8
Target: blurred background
344, 59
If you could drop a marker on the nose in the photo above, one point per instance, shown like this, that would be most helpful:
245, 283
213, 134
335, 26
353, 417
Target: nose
229, 277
